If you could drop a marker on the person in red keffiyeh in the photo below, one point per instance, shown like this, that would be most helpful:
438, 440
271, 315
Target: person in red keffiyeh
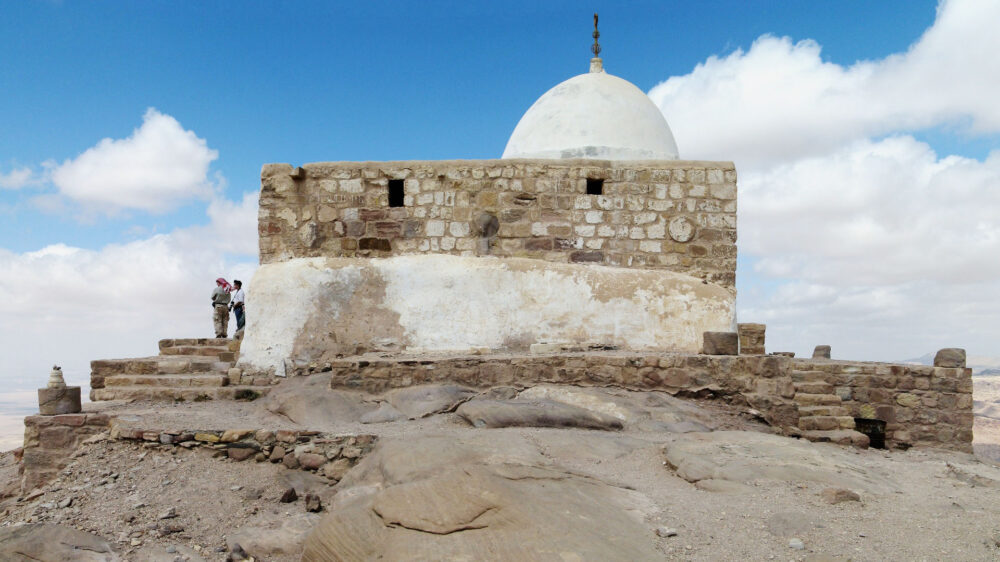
220, 306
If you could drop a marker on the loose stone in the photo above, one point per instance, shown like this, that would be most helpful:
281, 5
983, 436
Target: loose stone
838, 495
313, 503
289, 496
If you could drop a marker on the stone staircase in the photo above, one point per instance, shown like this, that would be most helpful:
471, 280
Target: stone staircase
822, 416
186, 369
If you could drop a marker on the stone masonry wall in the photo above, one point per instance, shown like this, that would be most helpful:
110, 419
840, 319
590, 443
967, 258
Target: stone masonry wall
921, 405
50, 440
695, 375
675, 215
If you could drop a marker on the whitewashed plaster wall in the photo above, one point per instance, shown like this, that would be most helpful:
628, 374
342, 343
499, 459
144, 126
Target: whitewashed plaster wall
312, 309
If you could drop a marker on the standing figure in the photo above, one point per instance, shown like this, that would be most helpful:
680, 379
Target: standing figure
238, 305
220, 305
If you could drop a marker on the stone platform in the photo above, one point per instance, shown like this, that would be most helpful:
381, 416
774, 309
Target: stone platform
815, 399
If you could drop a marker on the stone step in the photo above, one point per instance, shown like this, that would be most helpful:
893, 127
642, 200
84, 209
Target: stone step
815, 387
825, 423
170, 394
197, 342
838, 436
827, 410
159, 364
807, 399
192, 380
206, 350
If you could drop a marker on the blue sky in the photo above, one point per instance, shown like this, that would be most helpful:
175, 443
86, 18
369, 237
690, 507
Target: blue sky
316, 81
864, 134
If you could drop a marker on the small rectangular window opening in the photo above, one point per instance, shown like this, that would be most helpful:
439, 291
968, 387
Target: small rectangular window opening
595, 187
395, 193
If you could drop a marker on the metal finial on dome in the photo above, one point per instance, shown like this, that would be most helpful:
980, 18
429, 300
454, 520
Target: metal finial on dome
596, 48
596, 64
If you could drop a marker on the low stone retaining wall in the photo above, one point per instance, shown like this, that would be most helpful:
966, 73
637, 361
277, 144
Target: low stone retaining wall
49, 443
326, 454
670, 372
921, 405
674, 373
50, 440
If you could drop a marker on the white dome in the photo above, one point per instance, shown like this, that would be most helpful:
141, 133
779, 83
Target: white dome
594, 115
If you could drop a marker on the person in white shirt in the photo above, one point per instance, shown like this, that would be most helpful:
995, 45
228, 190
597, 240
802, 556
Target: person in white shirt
238, 305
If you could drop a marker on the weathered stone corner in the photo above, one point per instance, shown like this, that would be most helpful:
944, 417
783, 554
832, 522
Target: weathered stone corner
951, 357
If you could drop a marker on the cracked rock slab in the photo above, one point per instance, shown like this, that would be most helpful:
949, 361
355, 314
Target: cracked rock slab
385, 413
480, 499
421, 401
310, 401
53, 542
741, 456
534, 413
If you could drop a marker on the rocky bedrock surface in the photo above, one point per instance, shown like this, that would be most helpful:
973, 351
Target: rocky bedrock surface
549, 472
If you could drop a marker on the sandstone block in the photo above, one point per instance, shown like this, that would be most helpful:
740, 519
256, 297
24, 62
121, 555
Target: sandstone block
75, 420
721, 343
277, 454
816, 399
821, 423
233, 435
54, 401
950, 357
821, 352
241, 453
586, 257
311, 461
98, 419
814, 387
751, 338
337, 469
351, 452
57, 437
285, 436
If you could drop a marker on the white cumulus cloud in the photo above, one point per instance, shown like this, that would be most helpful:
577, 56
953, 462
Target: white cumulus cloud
875, 213
779, 100
70, 305
158, 167
852, 232
16, 178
